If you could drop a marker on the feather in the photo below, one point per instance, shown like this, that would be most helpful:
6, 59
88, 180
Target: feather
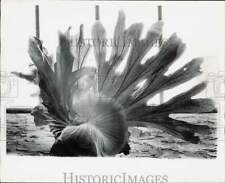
48, 91
177, 128
138, 51
171, 106
162, 83
131, 34
119, 49
79, 49
99, 38
32, 77
64, 64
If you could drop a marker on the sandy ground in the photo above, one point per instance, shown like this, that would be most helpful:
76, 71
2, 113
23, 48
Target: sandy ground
24, 138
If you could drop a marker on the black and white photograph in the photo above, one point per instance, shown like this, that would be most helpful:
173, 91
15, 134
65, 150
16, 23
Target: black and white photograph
133, 81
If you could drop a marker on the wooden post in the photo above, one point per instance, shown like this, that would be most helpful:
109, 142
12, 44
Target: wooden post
160, 18
18, 110
97, 16
37, 22
37, 26
161, 95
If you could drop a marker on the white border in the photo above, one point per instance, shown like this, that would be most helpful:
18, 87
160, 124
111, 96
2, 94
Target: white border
42, 169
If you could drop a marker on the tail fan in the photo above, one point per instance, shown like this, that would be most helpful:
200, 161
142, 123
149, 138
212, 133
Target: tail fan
90, 109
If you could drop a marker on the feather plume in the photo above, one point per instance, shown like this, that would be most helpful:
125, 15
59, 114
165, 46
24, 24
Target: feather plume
90, 109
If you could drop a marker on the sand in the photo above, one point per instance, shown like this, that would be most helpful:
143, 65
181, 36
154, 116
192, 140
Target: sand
24, 138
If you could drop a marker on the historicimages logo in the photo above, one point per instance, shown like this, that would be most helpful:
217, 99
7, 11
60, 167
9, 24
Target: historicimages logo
216, 90
9, 86
216, 85
116, 178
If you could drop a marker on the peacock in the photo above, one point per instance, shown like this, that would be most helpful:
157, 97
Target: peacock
89, 109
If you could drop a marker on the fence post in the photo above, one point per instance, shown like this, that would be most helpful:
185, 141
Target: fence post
161, 94
37, 21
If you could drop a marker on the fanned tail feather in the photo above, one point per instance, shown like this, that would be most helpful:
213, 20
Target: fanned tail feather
89, 109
